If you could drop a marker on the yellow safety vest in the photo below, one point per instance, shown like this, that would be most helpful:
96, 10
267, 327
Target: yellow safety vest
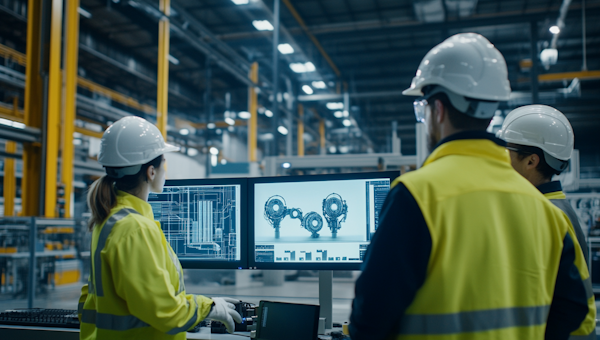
496, 247
587, 330
136, 288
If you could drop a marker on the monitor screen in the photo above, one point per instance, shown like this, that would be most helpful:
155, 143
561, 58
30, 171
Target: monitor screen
318, 222
203, 221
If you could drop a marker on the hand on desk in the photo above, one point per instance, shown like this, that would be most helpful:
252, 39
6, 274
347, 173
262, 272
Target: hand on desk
223, 310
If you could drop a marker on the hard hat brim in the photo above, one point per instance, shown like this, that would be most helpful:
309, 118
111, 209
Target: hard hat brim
413, 91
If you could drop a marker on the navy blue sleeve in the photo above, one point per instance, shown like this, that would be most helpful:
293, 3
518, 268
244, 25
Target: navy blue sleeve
394, 268
569, 304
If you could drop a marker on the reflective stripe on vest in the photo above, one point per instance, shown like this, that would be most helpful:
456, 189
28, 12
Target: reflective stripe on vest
116, 217
188, 324
80, 308
589, 291
591, 336
112, 322
179, 273
476, 321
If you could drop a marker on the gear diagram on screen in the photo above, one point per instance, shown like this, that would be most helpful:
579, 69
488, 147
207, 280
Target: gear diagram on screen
335, 211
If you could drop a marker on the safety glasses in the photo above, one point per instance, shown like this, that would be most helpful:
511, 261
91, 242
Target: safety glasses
420, 106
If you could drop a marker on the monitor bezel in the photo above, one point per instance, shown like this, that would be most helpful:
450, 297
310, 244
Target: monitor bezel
392, 175
213, 264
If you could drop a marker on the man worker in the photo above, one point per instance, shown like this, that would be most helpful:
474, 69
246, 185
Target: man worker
466, 248
540, 141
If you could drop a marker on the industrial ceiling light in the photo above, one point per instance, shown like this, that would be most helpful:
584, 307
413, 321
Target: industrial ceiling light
285, 48
335, 106
184, 132
282, 130
240, 2
302, 67
244, 114
12, 123
262, 25
319, 84
286, 165
84, 12
347, 122
338, 114
269, 113
211, 125
307, 89
229, 121
214, 151
173, 60
554, 29
192, 152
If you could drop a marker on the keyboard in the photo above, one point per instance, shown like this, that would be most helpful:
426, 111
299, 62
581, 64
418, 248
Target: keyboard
40, 317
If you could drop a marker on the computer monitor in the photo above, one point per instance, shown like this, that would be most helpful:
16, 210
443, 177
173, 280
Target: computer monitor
204, 221
320, 222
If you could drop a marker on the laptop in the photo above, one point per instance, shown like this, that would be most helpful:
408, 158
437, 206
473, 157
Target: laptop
289, 321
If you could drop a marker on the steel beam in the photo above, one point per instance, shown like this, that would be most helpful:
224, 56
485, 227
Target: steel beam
252, 108
300, 130
339, 96
275, 63
69, 109
323, 139
162, 96
54, 108
10, 180
337, 161
32, 152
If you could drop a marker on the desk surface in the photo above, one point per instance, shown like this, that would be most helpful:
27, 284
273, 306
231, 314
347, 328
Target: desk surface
50, 333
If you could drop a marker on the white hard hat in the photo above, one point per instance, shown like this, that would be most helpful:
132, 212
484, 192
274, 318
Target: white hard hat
468, 65
129, 143
540, 126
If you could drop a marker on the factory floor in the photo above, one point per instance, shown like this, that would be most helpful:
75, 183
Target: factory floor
243, 285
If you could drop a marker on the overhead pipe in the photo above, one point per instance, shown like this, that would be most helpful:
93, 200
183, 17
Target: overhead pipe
564, 8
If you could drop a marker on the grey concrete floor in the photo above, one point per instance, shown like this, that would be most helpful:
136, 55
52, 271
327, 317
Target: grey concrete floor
303, 290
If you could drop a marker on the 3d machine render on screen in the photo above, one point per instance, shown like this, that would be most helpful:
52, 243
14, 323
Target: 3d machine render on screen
204, 221
314, 222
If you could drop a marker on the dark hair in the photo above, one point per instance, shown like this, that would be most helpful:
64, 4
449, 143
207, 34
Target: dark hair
102, 194
458, 119
543, 168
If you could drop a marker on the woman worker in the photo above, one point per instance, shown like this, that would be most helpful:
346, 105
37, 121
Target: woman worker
136, 289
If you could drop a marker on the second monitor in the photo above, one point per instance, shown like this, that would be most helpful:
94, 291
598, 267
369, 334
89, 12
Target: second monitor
315, 222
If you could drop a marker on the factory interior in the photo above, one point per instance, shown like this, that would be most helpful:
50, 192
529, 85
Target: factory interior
254, 89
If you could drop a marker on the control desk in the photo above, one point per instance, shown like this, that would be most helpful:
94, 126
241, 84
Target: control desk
54, 333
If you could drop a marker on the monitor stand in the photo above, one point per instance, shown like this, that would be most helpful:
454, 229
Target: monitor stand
326, 297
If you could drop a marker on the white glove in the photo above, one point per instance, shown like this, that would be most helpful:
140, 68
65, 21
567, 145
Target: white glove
223, 310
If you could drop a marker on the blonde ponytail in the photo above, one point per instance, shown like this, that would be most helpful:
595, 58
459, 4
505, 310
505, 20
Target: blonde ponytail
101, 198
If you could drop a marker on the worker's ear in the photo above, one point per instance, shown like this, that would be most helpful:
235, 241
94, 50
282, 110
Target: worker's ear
532, 161
440, 110
151, 173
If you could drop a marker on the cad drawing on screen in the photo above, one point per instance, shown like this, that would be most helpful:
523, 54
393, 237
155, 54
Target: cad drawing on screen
335, 211
200, 222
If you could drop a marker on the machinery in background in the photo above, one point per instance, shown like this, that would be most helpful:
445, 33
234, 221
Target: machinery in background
55, 244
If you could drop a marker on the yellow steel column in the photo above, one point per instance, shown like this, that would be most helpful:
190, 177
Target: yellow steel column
300, 130
322, 134
252, 106
10, 180
54, 104
32, 153
162, 96
70, 92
